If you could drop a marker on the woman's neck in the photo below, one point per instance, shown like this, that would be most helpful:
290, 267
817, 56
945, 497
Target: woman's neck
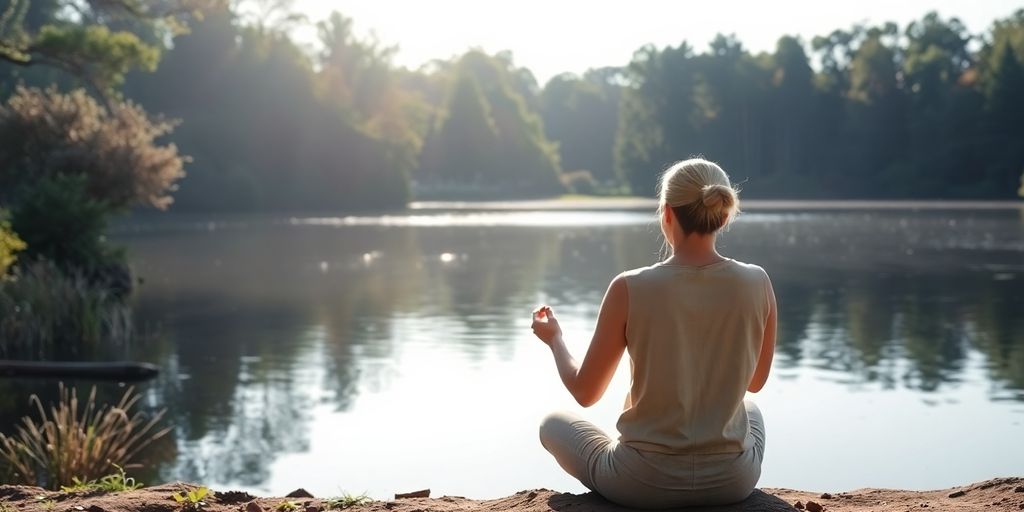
695, 250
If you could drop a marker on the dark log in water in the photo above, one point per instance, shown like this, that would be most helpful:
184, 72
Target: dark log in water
120, 371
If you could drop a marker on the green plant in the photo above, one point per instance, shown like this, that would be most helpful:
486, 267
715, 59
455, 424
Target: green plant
114, 482
347, 500
49, 313
10, 245
76, 440
60, 222
191, 499
287, 506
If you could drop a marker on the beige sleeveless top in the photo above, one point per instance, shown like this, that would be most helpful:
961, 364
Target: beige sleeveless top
693, 335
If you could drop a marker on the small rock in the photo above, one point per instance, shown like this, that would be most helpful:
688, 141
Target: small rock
299, 493
312, 508
826, 496
389, 505
531, 495
814, 507
1019, 488
924, 505
956, 494
233, 497
1022, 506
798, 505
425, 493
252, 506
95, 508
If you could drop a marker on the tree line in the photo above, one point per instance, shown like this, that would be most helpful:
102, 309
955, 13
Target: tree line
929, 110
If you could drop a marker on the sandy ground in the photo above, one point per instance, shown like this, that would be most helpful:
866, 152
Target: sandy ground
991, 495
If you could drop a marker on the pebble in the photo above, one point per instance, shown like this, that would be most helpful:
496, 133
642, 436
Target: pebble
956, 494
1019, 488
299, 493
814, 507
826, 496
798, 505
252, 506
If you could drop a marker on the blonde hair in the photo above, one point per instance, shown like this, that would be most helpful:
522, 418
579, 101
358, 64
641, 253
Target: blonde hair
699, 194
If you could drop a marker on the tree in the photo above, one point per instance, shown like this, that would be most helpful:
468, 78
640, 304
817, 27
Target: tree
488, 141
1004, 109
85, 38
272, 129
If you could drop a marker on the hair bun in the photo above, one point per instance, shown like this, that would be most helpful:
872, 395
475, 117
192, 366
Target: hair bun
718, 197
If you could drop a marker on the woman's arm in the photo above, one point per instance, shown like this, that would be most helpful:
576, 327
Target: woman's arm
764, 358
588, 383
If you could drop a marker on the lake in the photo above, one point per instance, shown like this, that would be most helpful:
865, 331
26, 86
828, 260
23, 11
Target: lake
390, 353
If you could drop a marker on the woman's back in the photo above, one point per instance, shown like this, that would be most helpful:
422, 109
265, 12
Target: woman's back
700, 332
693, 335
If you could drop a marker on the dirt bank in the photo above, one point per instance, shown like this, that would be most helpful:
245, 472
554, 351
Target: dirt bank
992, 495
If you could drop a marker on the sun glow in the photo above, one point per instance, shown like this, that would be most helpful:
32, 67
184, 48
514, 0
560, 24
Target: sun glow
574, 35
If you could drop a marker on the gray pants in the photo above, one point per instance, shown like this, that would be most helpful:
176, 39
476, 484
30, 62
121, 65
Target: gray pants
634, 478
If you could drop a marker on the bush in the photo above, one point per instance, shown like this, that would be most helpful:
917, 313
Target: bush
47, 313
61, 223
44, 134
10, 244
71, 444
580, 182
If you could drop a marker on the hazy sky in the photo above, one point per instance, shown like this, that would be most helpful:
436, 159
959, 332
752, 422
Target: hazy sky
554, 36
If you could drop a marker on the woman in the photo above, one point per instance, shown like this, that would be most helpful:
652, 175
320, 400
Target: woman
700, 331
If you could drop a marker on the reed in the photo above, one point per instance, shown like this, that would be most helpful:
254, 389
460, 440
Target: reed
75, 442
47, 313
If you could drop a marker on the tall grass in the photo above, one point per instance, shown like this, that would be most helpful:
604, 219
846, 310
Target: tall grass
73, 442
49, 313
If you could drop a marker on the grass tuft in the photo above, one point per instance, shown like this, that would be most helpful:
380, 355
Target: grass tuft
114, 482
346, 501
76, 442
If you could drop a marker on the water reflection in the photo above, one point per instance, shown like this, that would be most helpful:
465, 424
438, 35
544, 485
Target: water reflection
264, 327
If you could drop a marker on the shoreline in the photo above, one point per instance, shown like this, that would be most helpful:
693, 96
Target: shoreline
597, 203
994, 495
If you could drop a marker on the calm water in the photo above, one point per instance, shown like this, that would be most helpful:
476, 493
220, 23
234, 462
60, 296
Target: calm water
384, 354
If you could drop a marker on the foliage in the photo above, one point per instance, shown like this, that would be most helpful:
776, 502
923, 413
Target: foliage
925, 110
92, 41
47, 313
114, 482
347, 501
70, 441
580, 182
287, 506
10, 245
582, 114
191, 499
47, 133
488, 137
271, 131
62, 224
890, 114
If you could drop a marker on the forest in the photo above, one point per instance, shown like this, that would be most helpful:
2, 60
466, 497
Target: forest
263, 123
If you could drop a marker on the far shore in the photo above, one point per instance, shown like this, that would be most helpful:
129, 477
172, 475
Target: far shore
644, 203
999, 494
